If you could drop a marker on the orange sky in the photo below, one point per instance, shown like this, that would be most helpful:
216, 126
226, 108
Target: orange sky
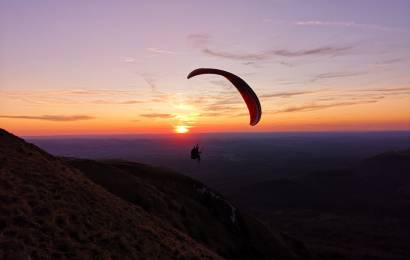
389, 114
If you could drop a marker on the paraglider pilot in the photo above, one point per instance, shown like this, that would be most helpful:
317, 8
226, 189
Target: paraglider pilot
195, 153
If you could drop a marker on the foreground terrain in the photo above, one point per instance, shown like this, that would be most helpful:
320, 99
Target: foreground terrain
54, 208
343, 199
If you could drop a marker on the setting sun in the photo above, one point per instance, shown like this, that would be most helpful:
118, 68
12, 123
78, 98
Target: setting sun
181, 129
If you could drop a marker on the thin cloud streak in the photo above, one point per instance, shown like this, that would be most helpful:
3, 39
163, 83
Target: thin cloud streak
332, 75
387, 92
238, 56
199, 40
158, 115
326, 50
265, 55
159, 51
222, 108
149, 79
111, 102
387, 89
349, 25
287, 94
128, 59
56, 118
211, 114
73, 96
71, 92
312, 107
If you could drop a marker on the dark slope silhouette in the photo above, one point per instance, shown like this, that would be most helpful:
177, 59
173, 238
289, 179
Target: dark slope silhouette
119, 210
49, 211
193, 208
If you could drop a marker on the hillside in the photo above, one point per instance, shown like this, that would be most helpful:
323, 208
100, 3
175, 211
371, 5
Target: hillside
54, 208
49, 210
191, 207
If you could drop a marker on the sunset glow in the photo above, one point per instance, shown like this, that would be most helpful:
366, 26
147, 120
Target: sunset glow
123, 70
181, 129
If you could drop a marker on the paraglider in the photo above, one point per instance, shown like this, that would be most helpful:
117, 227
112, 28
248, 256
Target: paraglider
248, 95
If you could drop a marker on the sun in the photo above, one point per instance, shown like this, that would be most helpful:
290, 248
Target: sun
181, 129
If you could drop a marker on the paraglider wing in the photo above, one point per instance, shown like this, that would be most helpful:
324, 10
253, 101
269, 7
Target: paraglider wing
248, 95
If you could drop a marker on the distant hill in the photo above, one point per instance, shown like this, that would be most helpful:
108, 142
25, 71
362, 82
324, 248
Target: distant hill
376, 183
387, 174
81, 209
357, 213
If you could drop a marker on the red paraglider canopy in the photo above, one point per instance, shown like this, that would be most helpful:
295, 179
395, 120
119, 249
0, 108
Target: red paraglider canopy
248, 95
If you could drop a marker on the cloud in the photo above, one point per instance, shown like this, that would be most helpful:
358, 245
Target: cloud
241, 114
239, 56
249, 63
223, 114
128, 59
160, 97
349, 96
286, 64
199, 40
70, 96
58, 118
250, 59
349, 25
391, 61
385, 63
150, 80
221, 83
258, 64
68, 92
125, 102
91, 92
332, 75
286, 94
236, 100
396, 92
159, 51
158, 115
128, 102
223, 108
388, 89
211, 114
265, 55
326, 50
312, 107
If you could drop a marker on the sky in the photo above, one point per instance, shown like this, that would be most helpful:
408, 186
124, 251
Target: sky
120, 67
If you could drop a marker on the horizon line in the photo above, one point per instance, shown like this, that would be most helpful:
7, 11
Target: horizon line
96, 135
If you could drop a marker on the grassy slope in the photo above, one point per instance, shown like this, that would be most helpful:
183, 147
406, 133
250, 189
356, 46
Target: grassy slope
48, 210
